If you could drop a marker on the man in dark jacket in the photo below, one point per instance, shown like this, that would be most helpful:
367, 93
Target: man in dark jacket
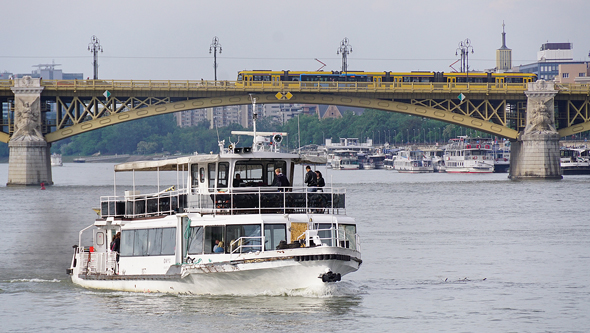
311, 178
280, 180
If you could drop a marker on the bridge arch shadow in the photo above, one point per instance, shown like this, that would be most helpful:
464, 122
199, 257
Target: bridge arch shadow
340, 100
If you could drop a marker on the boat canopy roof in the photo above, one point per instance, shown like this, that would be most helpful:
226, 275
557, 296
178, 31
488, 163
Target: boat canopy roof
172, 164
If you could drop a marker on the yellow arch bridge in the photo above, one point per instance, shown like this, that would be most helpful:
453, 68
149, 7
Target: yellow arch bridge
498, 109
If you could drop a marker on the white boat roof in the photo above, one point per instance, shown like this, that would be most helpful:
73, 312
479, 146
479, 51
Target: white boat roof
172, 164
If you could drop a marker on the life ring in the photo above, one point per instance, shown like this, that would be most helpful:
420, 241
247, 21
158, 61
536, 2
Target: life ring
475, 157
487, 146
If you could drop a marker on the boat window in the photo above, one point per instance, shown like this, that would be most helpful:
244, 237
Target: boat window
249, 234
154, 242
251, 173
325, 232
222, 175
270, 173
194, 175
195, 240
140, 243
126, 246
273, 235
347, 236
211, 167
212, 234
168, 241
259, 173
148, 242
202, 175
100, 238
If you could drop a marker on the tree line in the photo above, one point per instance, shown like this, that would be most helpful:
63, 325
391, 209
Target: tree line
160, 134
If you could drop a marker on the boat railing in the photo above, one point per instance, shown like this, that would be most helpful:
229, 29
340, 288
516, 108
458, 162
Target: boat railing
132, 205
331, 237
241, 200
269, 200
97, 263
246, 244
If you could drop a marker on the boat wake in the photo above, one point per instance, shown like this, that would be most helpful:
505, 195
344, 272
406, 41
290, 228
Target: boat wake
34, 280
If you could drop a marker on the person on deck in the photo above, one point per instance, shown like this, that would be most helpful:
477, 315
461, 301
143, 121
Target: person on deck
320, 180
280, 180
311, 179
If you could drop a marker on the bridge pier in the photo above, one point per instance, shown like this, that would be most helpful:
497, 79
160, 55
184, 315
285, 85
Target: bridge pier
535, 154
29, 160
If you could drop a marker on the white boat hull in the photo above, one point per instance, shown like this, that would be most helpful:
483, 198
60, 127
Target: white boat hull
238, 277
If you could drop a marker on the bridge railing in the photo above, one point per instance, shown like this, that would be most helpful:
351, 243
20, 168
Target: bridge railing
341, 86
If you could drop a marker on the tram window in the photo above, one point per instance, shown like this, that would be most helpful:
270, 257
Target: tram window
273, 235
212, 234
195, 241
222, 175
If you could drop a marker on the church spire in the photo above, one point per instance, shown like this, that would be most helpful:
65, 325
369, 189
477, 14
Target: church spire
503, 37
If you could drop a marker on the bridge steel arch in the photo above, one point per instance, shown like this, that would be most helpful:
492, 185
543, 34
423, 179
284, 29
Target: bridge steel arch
302, 98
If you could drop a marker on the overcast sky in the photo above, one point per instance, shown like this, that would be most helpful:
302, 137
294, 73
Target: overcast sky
169, 40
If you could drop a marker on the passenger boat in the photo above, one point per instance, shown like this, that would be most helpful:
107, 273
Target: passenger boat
388, 162
501, 159
56, 160
574, 161
412, 161
345, 159
467, 155
435, 155
217, 233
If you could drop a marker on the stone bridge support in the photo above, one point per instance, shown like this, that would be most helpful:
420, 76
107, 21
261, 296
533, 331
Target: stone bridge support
535, 154
29, 160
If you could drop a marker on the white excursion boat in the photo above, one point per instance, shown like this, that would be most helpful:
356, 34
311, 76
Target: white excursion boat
56, 159
574, 161
412, 161
345, 159
435, 155
467, 155
217, 233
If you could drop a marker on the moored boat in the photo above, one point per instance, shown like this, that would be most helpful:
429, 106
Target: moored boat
574, 161
412, 161
467, 155
228, 228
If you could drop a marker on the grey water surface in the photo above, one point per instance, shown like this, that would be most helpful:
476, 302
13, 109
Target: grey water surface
441, 253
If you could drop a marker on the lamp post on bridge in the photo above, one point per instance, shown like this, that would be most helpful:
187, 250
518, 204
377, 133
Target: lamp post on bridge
213, 47
464, 47
94, 47
344, 49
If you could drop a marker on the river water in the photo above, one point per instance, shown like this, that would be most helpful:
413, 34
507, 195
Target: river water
441, 253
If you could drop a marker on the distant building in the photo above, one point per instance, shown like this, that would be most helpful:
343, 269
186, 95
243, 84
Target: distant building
49, 72
329, 111
503, 55
549, 57
574, 73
